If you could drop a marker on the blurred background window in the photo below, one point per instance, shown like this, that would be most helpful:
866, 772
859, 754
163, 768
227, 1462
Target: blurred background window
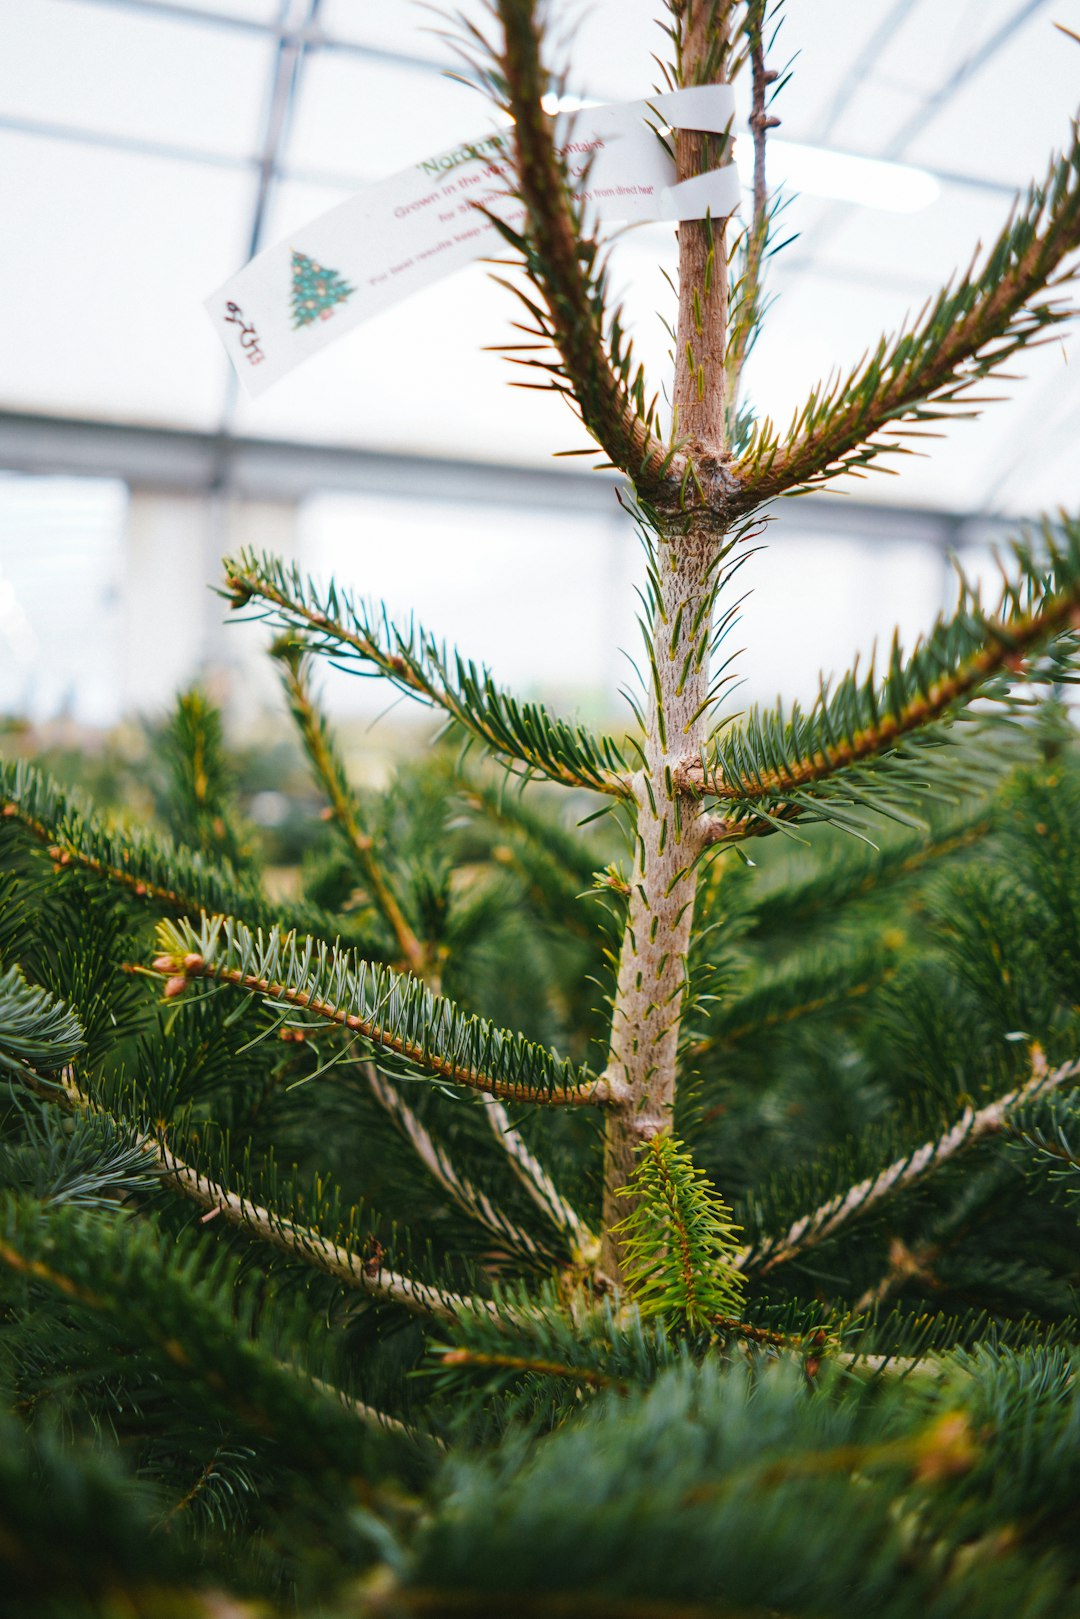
61, 586
148, 147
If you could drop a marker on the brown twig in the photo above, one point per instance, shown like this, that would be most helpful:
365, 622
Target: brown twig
538, 1367
757, 232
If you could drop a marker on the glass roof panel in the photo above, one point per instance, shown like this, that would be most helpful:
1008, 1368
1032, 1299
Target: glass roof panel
111, 275
874, 246
409, 24
103, 288
958, 34
114, 70
819, 323
265, 11
360, 118
1008, 118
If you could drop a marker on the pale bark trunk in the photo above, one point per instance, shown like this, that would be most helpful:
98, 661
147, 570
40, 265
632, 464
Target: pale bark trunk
653, 960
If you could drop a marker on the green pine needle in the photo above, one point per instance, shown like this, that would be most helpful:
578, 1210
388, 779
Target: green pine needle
361, 637
679, 1242
877, 744
38, 1034
388, 1015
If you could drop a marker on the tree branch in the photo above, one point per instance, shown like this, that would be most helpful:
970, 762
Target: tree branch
782, 997
330, 771
64, 851
412, 661
151, 869
562, 265
535, 1178
747, 313
905, 1265
301, 1242
774, 757
930, 367
472, 1200
972, 1126
393, 1014
298, 1241
532, 1366
137, 1278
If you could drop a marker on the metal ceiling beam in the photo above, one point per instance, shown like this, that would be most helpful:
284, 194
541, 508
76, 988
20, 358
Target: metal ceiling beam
108, 141
267, 469
295, 42
862, 65
966, 70
177, 11
280, 103
309, 34
298, 41
133, 145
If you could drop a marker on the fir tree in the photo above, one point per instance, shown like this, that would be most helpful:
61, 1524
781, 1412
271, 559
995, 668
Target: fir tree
544, 1214
316, 291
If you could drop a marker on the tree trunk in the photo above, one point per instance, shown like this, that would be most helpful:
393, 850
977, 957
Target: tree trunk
689, 550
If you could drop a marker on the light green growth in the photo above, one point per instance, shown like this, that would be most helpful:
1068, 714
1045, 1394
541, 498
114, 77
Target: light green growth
680, 1242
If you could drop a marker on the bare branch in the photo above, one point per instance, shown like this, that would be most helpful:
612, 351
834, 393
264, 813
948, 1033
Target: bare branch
748, 311
298, 1241
972, 1126
905, 1265
471, 1199
535, 1178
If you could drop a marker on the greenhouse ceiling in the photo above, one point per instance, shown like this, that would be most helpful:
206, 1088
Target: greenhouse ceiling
147, 149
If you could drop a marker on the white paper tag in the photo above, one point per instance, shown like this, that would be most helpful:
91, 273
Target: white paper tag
402, 233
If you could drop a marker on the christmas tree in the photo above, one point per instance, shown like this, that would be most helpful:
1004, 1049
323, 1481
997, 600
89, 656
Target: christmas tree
315, 290
549, 1212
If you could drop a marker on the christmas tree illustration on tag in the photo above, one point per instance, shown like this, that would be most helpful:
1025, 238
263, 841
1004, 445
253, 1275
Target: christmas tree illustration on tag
315, 290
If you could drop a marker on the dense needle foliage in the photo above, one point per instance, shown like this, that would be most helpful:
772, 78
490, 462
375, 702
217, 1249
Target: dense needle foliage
550, 1209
